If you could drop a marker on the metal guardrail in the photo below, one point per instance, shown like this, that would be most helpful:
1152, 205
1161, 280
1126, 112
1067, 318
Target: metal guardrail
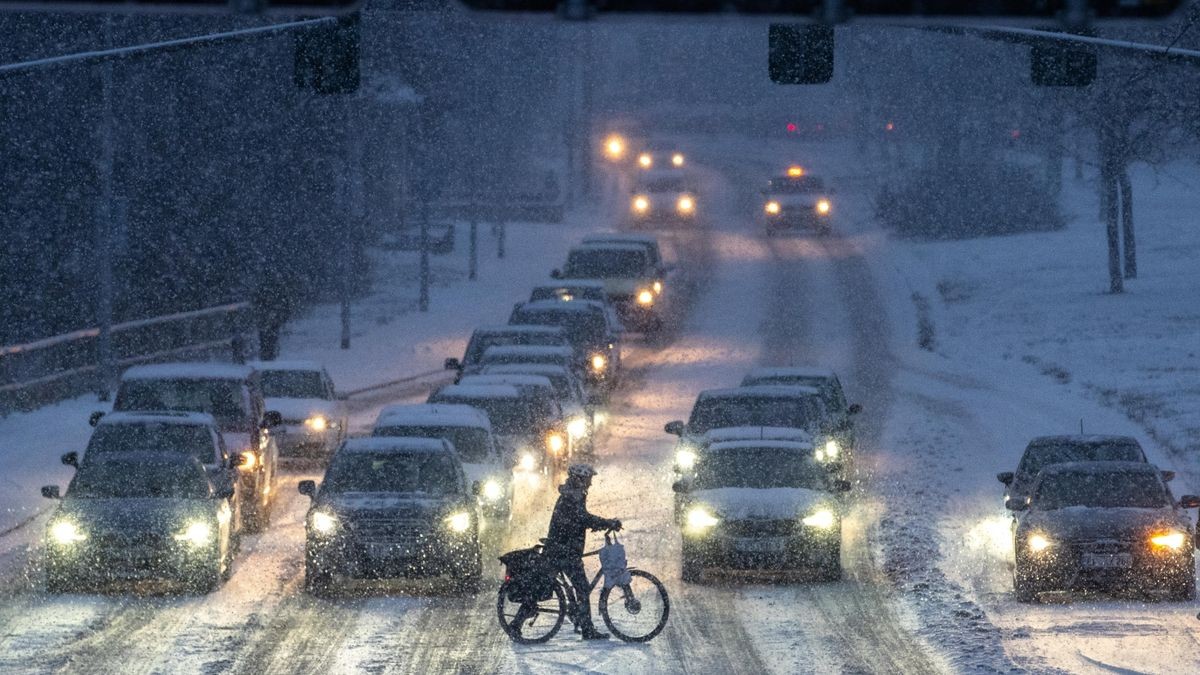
50, 369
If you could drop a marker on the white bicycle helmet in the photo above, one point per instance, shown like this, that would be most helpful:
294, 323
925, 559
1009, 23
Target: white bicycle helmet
581, 470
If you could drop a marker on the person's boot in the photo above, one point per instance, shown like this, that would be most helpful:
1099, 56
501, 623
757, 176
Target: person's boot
590, 633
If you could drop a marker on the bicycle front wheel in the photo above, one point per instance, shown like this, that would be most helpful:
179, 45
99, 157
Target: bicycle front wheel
636, 612
532, 623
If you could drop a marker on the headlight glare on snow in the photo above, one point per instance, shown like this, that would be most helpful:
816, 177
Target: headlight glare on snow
196, 534
317, 423
65, 532
772, 208
685, 459
323, 522
700, 519
577, 427
821, 518
492, 490
1172, 539
1038, 543
459, 522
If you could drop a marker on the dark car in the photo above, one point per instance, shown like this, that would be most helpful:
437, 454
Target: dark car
1045, 451
505, 336
140, 515
631, 280
529, 429
392, 507
588, 329
233, 396
1111, 525
564, 356
761, 504
797, 201
823, 380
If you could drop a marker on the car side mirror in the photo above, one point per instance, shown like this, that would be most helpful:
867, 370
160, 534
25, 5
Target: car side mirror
842, 485
555, 274
1168, 476
1005, 477
675, 428
224, 492
679, 487
51, 492
272, 418
94, 418
70, 459
1186, 501
308, 488
452, 364
854, 409
1016, 505
476, 488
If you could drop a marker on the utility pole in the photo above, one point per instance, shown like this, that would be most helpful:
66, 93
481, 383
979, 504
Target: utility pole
104, 226
352, 203
473, 247
423, 192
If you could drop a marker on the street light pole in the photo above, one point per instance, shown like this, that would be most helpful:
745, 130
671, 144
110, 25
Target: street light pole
104, 227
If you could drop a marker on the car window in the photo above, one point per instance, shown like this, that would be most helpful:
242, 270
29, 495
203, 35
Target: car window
745, 411
605, 263
429, 473
1041, 456
481, 341
803, 185
225, 400
515, 415
188, 439
293, 384
582, 328
139, 480
1101, 490
757, 468
471, 444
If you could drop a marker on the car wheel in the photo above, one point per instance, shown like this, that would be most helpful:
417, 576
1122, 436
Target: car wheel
831, 568
691, 567
316, 580
1023, 588
1184, 589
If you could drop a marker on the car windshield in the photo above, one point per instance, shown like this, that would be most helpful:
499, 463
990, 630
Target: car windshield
509, 415
419, 472
664, 184
788, 186
188, 439
225, 400
471, 444
481, 341
293, 384
139, 480
1040, 456
758, 468
1113, 489
748, 411
829, 393
583, 329
605, 263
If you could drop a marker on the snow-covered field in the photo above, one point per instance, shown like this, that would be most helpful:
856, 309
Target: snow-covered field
1026, 343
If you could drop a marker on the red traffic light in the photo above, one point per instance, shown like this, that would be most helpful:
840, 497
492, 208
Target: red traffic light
791, 127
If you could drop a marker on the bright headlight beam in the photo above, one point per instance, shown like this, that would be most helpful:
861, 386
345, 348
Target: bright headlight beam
1038, 543
700, 519
823, 206
196, 534
641, 204
492, 490
459, 522
832, 449
645, 160
66, 532
1173, 539
685, 459
823, 519
577, 427
686, 204
677, 159
645, 297
599, 361
527, 462
657, 286
772, 208
317, 423
555, 442
323, 523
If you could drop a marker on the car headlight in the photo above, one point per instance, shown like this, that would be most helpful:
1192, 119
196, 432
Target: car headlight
645, 160
323, 522
1038, 543
829, 451
686, 204
317, 423
577, 427
614, 147
685, 459
599, 362
645, 297
641, 204
492, 490
249, 460
821, 519
657, 286
677, 159
772, 208
527, 462
555, 442
65, 532
196, 534
823, 206
1172, 539
459, 522
700, 519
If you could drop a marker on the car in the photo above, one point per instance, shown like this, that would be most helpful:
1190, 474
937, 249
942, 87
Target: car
131, 516
581, 417
540, 386
232, 394
1045, 451
762, 406
791, 202
663, 197
578, 289
527, 428
503, 336
650, 242
187, 434
388, 508
470, 432
761, 504
629, 279
685, 455
564, 356
314, 417
1110, 525
661, 156
588, 329
822, 379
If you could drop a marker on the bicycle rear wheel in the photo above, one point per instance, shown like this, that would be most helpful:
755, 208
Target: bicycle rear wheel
638, 611
535, 626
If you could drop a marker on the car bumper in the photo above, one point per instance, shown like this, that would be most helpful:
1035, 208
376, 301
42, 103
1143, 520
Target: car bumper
798, 550
1073, 570
423, 555
123, 562
797, 220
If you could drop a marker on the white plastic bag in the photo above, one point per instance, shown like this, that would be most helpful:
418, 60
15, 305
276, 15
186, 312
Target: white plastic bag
613, 563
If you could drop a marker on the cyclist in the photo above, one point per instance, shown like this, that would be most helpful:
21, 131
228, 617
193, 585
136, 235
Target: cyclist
563, 550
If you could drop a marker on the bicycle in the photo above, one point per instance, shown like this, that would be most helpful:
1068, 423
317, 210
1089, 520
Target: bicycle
638, 614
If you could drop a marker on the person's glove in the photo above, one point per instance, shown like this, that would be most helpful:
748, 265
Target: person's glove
614, 524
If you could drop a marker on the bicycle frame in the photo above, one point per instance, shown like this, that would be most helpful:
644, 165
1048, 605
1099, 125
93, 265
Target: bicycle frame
571, 590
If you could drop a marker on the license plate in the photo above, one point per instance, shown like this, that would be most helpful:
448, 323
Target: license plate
1107, 560
760, 545
385, 550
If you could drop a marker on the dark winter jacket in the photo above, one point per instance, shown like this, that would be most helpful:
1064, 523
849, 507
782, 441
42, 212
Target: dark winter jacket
570, 522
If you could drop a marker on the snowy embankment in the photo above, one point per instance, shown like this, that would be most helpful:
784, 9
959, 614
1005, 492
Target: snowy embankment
1026, 342
389, 339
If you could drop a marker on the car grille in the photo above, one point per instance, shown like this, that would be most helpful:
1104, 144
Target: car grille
1103, 546
391, 530
131, 540
759, 528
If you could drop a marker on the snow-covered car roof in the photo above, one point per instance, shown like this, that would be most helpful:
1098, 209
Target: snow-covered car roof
1081, 439
620, 236
515, 379
726, 434
433, 415
610, 246
399, 444
791, 371
733, 446
1099, 467
545, 369
555, 284
479, 391
516, 329
164, 417
501, 351
590, 306
188, 371
287, 365
761, 391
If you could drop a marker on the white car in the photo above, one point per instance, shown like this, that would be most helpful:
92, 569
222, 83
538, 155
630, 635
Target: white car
314, 418
528, 429
470, 432
581, 417
685, 454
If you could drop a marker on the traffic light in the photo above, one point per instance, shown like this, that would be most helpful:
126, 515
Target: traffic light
327, 57
305, 7
799, 53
